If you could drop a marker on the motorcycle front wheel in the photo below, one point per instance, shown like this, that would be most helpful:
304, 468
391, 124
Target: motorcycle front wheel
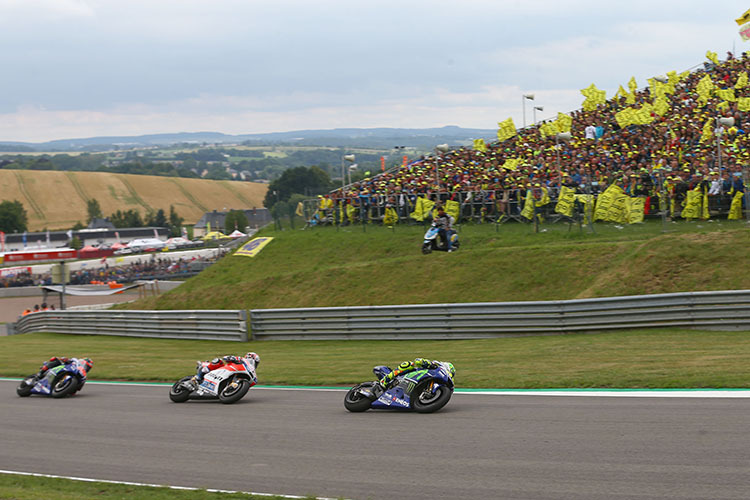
234, 391
64, 385
178, 393
24, 389
424, 400
426, 248
356, 402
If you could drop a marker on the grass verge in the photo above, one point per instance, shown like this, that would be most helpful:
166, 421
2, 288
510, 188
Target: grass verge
381, 266
33, 488
667, 358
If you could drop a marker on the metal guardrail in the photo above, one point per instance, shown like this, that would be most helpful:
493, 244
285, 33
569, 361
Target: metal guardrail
721, 310
193, 325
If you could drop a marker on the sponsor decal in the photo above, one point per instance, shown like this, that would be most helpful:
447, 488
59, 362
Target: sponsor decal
253, 247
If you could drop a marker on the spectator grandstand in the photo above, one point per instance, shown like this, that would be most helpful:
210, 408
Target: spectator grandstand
667, 148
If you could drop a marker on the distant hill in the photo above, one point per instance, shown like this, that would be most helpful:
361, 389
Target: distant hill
57, 200
424, 139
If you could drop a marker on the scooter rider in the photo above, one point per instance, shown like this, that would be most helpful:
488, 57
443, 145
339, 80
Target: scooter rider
206, 366
444, 223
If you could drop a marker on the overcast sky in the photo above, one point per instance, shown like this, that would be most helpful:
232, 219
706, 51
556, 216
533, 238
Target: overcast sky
81, 68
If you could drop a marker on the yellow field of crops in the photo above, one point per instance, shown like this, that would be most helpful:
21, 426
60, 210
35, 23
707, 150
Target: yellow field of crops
57, 200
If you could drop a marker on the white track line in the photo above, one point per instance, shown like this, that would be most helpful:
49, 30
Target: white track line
603, 393
130, 483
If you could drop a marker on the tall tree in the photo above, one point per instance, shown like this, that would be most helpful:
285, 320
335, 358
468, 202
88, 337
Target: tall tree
235, 219
93, 209
13, 217
303, 180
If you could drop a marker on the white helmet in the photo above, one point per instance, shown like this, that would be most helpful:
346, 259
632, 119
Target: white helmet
254, 357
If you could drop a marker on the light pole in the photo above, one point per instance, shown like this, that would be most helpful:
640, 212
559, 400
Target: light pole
345, 158
537, 108
440, 148
352, 167
721, 122
530, 97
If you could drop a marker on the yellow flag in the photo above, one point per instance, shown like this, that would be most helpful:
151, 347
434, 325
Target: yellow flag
452, 208
422, 209
506, 130
735, 209
252, 247
480, 145
625, 117
528, 207
632, 85
548, 129
390, 217
564, 122
511, 164
621, 92
741, 81
744, 18
565, 201
726, 94
661, 106
594, 97
635, 208
708, 133
711, 56
692, 208
743, 104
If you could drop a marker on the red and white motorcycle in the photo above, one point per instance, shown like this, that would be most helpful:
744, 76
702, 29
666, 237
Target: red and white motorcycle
229, 383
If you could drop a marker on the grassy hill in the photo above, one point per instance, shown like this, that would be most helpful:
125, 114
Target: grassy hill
57, 200
326, 267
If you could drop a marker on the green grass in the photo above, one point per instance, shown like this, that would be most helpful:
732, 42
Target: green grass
665, 358
326, 267
34, 488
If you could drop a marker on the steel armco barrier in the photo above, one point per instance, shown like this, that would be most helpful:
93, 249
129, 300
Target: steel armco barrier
194, 325
722, 310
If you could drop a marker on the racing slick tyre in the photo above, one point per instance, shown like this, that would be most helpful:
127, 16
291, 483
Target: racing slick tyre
356, 402
423, 400
426, 248
234, 391
178, 393
64, 384
24, 389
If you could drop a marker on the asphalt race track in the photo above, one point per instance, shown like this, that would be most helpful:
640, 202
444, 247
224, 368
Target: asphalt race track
304, 442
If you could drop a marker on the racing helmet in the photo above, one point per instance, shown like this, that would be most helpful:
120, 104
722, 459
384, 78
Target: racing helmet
254, 357
451, 368
87, 364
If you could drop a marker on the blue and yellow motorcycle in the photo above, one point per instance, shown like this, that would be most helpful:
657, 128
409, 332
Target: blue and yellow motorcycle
58, 382
425, 391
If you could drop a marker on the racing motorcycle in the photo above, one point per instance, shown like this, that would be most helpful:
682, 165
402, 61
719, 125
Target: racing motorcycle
229, 383
425, 391
58, 382
432, 242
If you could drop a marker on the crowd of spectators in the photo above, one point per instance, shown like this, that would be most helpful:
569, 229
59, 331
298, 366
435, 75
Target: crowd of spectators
154, 268
671, 155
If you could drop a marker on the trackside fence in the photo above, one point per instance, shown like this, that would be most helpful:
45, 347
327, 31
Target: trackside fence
194, 325
721, 310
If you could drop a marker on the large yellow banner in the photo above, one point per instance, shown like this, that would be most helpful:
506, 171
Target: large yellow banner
252, 247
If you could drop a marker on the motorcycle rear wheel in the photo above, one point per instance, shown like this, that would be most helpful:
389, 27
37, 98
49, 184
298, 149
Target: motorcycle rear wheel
24, 389
231, 395
356, 402
424, 401
64, 385
178, 393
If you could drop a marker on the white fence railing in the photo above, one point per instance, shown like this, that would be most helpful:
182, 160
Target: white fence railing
723, 310
194, 325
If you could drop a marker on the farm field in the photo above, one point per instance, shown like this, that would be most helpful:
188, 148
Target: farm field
57, 200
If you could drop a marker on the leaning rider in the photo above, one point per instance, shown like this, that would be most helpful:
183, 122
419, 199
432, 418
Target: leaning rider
56, 361
206, 366
379, 386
